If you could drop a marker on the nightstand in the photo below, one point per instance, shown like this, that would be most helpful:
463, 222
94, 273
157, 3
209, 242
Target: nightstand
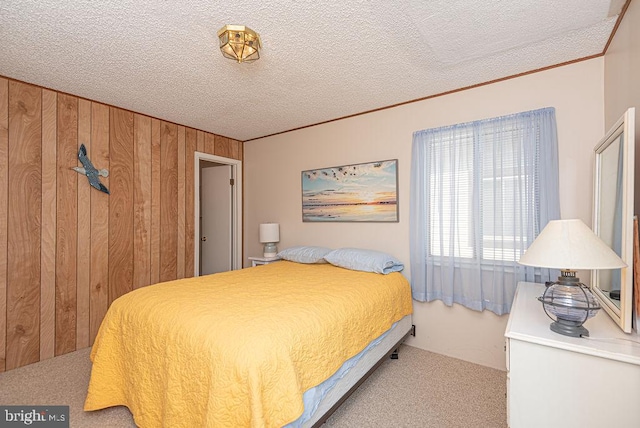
257, 261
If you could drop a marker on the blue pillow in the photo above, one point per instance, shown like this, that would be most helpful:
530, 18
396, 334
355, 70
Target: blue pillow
304, 254
364, 260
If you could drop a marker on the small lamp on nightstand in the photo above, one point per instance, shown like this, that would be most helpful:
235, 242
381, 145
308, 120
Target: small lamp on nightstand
269, 235
569, 245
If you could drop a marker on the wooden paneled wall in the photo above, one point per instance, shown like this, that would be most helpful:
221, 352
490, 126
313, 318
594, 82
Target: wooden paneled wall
66, 249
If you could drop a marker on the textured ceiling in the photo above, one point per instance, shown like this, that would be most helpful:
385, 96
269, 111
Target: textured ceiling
321, 60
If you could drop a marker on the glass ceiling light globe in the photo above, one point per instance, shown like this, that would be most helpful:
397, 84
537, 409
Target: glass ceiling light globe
239, 43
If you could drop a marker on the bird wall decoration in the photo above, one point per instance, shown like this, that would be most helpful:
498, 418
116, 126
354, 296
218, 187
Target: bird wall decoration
93, 174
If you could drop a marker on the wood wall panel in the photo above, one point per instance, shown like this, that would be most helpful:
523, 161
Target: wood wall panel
189, 223
155, 201
200, 136
23, 225
66, 224
209, 144
99, 273
222, 147
168, 201
121, 203
4, 179
236, 149
48, 221
181, 202
83, 259
68, 250
142, 201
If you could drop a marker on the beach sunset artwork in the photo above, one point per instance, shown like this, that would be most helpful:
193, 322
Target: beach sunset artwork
365, 192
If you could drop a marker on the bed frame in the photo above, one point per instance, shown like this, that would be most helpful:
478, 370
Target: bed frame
388, 348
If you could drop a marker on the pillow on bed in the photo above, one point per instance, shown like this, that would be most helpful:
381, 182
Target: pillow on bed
305, 254
364, 260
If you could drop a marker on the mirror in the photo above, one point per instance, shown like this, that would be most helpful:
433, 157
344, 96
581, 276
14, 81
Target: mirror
613, 217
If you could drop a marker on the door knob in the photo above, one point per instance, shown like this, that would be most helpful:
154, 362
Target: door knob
204, 238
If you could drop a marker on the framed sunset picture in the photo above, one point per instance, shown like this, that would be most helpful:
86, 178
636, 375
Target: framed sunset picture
364, 192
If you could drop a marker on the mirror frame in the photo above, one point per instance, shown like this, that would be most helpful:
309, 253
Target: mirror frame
625, 128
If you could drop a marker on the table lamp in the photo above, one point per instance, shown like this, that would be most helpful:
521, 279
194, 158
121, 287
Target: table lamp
269, 235
569, 245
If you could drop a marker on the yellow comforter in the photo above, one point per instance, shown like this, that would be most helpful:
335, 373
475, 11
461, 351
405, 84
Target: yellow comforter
238, 348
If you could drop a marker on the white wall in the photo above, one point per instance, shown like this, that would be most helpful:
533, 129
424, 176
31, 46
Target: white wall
622, 79
274, 164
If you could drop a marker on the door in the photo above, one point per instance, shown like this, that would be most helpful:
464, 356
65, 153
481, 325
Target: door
223, 206
216, 218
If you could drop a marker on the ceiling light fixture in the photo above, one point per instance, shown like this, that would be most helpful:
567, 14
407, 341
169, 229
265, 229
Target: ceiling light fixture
239, 43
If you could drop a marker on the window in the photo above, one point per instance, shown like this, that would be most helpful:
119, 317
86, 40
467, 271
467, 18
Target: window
481, 193
499, 177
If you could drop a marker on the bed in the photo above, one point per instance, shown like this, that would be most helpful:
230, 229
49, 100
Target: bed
266, 346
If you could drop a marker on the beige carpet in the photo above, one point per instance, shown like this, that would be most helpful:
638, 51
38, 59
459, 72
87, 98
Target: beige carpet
420, 389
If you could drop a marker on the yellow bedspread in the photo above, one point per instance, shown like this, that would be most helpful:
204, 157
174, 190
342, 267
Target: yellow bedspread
238, 348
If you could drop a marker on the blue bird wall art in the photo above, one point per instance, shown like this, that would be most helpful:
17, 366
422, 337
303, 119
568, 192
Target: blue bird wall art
93, 174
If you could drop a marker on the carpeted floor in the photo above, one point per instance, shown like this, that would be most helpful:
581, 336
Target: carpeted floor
420, 389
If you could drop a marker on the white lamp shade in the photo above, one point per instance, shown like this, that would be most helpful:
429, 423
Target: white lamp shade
269, 232
570, 244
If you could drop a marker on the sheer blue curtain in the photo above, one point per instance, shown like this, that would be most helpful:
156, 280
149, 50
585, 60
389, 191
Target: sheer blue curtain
480, 194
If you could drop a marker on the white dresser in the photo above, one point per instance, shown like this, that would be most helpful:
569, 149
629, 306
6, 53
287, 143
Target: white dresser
561, 381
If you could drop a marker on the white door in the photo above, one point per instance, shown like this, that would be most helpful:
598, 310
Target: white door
216, 217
